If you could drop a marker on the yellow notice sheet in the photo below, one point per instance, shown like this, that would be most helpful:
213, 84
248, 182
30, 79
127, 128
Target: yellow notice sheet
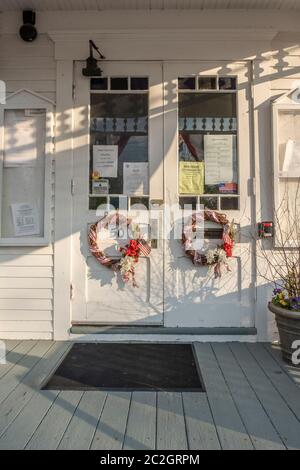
191, 177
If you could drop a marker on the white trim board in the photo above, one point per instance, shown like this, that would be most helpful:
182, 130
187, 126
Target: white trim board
158, 44
245, 34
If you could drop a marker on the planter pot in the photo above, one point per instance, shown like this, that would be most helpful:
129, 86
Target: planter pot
288, 324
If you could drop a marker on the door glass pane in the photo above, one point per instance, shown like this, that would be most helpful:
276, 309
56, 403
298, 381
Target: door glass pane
139, 83
187, 83
207, 83
119, 83
227, 83
209, 202
99, 83
208, 161
229, 203
119, 127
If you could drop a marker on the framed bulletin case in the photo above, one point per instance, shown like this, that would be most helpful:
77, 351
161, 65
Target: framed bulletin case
26, 154
286, 164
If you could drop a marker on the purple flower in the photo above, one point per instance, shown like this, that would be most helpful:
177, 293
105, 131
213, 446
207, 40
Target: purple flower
277, 291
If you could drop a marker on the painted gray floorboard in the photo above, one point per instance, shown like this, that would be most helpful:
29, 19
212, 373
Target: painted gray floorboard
171, 430
50, 354
17, 373
141, 425
174, 421
81, 429
23, 427
281, 381
201, 430
9, 345
111, 428
14, 357
287, 425
231, 429
52, 428
292, 371
258, 425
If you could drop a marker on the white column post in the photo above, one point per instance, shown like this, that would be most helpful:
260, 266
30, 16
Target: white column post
63, 199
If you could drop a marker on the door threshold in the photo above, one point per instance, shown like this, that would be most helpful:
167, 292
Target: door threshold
161, 330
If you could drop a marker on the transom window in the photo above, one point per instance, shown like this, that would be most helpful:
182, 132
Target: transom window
120, 83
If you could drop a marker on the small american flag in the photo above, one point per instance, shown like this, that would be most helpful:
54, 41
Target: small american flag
144, 248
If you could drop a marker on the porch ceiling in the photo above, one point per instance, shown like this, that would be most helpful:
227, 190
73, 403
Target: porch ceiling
52, 5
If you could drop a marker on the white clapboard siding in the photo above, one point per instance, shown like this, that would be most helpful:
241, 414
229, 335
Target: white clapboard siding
26, 260
41, 63
26, 273
26, 250
27, 326
284, 83
25, 315
13, 46
40, 86
26, 304
26, 283
27, 74
25, 293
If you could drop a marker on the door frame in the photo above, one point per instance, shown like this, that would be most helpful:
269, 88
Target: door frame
63, 177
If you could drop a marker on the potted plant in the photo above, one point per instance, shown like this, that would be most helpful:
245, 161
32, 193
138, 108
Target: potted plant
287, 313
281, 267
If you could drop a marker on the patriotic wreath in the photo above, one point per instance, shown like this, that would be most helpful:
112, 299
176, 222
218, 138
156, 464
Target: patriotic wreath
131, 252
215, 258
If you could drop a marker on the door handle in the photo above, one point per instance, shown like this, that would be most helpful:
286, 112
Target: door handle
154, 233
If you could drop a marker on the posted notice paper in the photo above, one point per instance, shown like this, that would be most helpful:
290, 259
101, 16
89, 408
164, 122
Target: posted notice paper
191, 177
291, 164
105, 160
218, 157
136, 178
25, 219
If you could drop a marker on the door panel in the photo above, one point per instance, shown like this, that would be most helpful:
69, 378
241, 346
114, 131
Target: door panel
203, 99
131, 119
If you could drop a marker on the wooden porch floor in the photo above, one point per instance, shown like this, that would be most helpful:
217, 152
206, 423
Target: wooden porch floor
252, 402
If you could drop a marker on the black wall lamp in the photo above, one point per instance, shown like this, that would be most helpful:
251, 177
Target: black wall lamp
28, 30
92, 69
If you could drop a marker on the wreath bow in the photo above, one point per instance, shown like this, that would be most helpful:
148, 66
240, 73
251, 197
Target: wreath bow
215, 258
130, 253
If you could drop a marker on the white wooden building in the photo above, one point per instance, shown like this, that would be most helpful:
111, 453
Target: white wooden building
174, 72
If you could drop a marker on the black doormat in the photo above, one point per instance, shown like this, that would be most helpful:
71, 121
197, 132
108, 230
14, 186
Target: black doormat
134, 366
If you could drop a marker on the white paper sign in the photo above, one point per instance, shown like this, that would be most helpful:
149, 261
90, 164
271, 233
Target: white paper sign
25, 219
136, 178
20, 142
105, 160
291, 164
218, 157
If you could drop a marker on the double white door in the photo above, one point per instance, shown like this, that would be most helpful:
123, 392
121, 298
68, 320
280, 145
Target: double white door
159, 114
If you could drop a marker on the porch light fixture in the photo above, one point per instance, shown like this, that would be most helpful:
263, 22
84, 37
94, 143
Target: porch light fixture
92, 69
28, 30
